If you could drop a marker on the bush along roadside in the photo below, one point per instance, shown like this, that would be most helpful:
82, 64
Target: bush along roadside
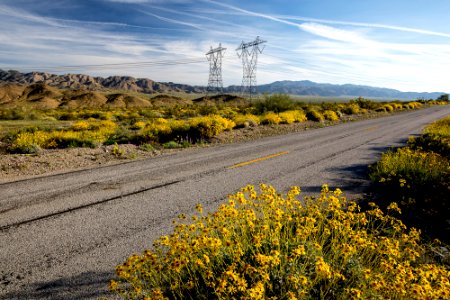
419, 176
265, 245
189, 123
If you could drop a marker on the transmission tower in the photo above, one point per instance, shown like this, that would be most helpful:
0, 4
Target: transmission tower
215, 84
249, 54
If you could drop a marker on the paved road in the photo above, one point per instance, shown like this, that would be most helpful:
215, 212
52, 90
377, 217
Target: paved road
61, 236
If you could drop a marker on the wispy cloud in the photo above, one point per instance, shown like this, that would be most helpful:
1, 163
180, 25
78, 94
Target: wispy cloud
174, 21
285, 20
334, 33
369, 25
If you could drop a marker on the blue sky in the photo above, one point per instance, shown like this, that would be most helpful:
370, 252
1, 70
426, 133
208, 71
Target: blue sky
397, 44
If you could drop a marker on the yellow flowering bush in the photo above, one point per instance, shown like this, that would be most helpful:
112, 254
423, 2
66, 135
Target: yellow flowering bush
80, 126
291, 116
419, 176
156, 129
265, 245
211, 125
415, 105
271, 118
388, 107
330, 115
351, 109
315, 115
435, 138
138, 125
247, 120
396, 106
80, 134
29, 142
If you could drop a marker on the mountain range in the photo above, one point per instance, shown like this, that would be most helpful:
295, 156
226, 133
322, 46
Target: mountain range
148, 86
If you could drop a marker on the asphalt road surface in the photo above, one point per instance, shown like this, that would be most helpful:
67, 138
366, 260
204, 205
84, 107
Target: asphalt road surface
61, 236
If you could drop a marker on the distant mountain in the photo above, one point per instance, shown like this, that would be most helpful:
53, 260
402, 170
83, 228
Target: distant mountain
309, 88
148, 86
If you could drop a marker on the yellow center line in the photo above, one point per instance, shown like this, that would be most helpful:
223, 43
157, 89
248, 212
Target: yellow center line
257, 160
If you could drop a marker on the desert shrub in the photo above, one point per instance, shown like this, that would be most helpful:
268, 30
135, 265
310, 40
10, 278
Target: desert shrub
247, 120
436, 138
138, 125
156, 129
80, 126
272, 246
366, 103
29, 142
117, 151
71, 139
314, 115
210, 126
330, 115
292, 116
147, 147
421, 182
172, 145
274, 103
415, 105
388, 107
412, 169
351, 109
396, 106
12, 114
270, 118
363, 111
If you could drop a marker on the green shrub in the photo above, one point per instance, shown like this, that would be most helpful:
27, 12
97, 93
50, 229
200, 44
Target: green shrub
274, 103
171, 145
147, 147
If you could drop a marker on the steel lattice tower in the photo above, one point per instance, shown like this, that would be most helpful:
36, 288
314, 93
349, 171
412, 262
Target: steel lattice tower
215, 56
249, 54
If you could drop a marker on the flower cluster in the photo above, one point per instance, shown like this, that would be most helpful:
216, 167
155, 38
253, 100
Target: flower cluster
265, 245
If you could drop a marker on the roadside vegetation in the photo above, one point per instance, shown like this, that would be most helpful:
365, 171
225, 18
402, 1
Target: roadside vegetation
170, 125
264, 245
419, 177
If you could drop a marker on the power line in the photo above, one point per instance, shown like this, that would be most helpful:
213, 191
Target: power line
123, 65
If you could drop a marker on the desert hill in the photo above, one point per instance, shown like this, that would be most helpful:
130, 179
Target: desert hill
148, 86
81, 81
43, 96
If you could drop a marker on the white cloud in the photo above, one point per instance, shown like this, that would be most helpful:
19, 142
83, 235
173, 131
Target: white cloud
369, 25
335, 33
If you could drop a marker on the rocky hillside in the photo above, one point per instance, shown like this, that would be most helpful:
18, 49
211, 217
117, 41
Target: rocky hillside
80, 81
43, 96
